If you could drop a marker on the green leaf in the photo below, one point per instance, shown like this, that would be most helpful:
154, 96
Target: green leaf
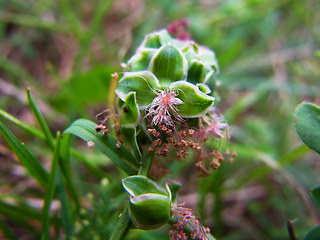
138, 184
27, 159
307, 123
195, 102
129, 112
41, 120
169, 64
142, 83
315, 193
65, 168
313, 234
45, 233
107, 144
23, 125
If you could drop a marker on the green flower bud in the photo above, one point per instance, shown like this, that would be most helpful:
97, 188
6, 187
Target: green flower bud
150, 203
169, 64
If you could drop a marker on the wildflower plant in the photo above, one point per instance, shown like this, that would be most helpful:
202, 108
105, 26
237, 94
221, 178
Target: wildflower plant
164, 108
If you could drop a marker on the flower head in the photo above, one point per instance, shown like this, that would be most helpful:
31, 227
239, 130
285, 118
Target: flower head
163, 108
186, 223
215, 125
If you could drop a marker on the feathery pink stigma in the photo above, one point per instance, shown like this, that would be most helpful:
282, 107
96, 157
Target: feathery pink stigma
163, 107
217, 126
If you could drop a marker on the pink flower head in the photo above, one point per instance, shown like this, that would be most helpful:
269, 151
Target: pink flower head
215, 126
163, 107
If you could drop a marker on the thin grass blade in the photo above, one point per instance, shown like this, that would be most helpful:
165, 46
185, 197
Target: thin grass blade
50, 192
8, 234
23, 125
27, 159
64, 166
41, 120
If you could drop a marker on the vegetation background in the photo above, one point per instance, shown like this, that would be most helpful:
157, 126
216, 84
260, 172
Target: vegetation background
65, 51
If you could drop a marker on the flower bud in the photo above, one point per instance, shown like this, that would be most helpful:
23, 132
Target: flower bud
150, 203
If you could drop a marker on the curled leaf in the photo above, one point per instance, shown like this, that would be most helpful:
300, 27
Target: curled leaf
142, 83
195, 102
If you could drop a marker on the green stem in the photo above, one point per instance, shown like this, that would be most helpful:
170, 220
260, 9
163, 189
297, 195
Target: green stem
123, 226
146, 164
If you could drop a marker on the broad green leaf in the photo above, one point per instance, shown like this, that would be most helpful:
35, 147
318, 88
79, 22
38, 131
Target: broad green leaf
315, 193
27, 159
129, 112
107, 144
307, 123
195, 103
138, 184
142, 83
150, 211
169, 65
313, 234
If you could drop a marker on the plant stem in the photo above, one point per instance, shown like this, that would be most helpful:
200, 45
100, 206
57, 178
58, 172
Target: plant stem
123, 225
146, 164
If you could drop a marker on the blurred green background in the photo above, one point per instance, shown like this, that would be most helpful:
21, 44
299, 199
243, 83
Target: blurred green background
269, 57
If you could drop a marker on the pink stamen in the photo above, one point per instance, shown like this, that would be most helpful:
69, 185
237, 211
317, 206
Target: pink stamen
163, 107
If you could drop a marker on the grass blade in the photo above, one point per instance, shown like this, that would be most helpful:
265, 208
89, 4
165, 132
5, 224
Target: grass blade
19, 213
41, 120
85, 129
23, 125
93, 29
65, 167
66, 218
27, 159
6, 231
40, 135
45, 233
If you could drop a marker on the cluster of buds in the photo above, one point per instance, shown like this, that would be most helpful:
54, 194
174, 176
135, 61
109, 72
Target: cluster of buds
168, 83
